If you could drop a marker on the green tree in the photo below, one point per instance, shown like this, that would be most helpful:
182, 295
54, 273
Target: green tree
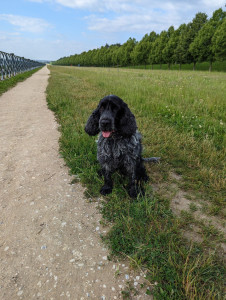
116, 55
151, 56
194, 28
168, 51
156, 54
186, 35
180, 53
110, 54
140, 53
125, 51
219, 42
201, 48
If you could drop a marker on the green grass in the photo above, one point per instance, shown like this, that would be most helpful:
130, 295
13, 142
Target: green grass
8, 83
181, 117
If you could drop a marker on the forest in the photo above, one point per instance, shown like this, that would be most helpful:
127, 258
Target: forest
202, 40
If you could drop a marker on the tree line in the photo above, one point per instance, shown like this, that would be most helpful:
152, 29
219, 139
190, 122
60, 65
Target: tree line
201, 40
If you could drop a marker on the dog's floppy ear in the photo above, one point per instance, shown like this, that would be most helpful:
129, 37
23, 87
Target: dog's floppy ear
127, 121
92, 125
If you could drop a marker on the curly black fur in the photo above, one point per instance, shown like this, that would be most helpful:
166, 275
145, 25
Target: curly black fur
119, 144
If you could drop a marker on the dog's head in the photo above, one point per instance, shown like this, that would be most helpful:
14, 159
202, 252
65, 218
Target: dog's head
112, 115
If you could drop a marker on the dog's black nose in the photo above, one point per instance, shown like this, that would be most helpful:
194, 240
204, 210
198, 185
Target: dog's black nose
105, 122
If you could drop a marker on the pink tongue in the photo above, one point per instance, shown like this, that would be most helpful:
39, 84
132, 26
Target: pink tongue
106, 134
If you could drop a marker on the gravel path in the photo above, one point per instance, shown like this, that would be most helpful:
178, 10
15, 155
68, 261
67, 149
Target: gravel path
50, 246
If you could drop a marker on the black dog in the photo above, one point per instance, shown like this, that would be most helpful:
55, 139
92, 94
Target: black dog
119, 144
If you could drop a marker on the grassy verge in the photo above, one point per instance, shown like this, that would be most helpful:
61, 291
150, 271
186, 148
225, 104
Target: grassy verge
217, 66
6, 84
181, 118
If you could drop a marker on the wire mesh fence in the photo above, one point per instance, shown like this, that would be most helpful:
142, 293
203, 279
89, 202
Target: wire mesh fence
10, 65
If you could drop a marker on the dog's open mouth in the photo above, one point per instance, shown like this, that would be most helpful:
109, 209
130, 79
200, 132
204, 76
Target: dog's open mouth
106, 134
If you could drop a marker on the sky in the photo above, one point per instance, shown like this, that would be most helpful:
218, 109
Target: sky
51, 29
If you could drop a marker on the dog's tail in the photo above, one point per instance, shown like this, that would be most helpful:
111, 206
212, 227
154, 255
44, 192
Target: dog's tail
151, 159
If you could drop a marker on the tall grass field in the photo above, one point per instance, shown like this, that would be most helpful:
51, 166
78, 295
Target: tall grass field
181, 116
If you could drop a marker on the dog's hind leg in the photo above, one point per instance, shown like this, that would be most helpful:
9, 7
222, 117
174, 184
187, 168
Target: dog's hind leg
132, 186
141, 174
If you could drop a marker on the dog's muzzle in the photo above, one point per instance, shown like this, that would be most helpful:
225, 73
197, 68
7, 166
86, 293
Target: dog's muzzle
106, 127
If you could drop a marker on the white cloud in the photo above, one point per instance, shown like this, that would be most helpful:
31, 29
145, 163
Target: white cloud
34, 25
213, 4
97, 5
84, 4
138, 15
144, 16
120, 23
120, 6
137, 23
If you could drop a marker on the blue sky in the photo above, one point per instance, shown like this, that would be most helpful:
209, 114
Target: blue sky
50, 29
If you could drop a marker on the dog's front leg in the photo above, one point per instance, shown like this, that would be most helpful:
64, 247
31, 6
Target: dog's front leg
108, 183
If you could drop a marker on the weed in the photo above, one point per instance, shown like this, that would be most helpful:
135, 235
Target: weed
193, 207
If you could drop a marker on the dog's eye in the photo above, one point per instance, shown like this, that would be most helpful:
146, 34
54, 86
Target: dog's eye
114, 107
101, 109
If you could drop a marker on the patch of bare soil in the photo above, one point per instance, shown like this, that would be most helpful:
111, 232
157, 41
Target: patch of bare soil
183, 201
50, 245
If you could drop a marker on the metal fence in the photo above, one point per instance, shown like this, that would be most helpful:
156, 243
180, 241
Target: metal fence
10, 65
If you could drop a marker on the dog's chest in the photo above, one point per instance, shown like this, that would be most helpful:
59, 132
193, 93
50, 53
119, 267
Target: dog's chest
117, 150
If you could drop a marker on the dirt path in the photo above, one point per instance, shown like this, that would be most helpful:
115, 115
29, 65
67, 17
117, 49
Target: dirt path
50, 246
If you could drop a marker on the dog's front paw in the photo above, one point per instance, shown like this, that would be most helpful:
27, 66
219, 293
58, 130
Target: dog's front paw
105, 190
132, 192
